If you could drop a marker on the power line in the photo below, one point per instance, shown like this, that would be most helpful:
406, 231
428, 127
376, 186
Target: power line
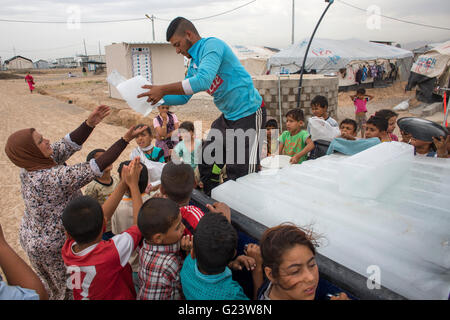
123, 20
396, 19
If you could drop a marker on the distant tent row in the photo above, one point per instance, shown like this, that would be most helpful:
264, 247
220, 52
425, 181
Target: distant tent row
253, 58
374, 61
430, 70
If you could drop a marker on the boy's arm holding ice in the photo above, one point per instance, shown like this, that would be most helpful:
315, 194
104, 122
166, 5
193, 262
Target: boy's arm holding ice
309, 147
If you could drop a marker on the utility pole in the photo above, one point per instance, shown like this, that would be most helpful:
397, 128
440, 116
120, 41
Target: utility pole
152, 18
14, 49
99, 49
293, 20
85, 52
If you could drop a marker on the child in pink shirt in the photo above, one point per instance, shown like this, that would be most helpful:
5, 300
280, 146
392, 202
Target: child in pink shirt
360, 100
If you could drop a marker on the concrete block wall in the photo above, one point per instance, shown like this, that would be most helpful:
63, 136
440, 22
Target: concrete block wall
313, 85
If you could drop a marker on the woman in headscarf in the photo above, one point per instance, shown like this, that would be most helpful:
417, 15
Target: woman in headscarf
48, 185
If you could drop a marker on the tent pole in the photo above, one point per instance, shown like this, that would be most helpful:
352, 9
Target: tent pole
330, 2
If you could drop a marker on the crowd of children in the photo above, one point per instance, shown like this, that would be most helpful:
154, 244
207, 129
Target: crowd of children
138, 236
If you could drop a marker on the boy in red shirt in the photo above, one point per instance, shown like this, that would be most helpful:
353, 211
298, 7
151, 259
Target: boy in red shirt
99, 269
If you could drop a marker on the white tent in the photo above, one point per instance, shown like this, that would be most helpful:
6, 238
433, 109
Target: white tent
326, 56
253, 58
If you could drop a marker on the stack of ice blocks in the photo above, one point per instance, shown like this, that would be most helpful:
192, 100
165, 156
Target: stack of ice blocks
395, 217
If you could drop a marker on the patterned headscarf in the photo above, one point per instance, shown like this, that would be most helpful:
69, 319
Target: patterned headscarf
24, 153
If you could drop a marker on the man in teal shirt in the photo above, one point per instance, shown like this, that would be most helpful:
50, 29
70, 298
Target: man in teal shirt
214, 68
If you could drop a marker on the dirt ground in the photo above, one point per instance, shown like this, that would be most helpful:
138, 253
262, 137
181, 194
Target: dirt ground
49, 111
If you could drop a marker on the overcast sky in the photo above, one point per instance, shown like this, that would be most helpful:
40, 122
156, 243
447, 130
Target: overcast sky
262, 23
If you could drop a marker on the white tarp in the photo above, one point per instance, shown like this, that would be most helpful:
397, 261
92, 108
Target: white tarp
253, 58
326, 55
434, 62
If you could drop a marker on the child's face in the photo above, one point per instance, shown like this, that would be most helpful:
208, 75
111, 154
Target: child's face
372, 131
269, 131
348, 129
144, 139
186, 135
175, 232
406, 137
298, 274
163, 109
293, 125
318, 111
391, 124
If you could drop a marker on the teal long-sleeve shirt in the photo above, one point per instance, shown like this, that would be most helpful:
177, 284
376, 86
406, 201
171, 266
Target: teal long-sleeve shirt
214, 68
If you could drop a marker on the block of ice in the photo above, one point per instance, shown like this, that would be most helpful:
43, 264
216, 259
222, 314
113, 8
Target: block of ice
130, 89
404, 230
368, 173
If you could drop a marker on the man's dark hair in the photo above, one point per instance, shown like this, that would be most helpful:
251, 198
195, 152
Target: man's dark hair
187, 125
379, 122
296, 114
215, 242
143, 176
350, 122
177, 180
92, 154
272, 123
83, 219
361, 91
179, 25
320, 101
157, 215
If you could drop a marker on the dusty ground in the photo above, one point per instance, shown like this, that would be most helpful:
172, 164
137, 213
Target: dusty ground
52, 115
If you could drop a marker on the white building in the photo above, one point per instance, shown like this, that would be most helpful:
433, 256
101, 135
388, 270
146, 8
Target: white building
18, 62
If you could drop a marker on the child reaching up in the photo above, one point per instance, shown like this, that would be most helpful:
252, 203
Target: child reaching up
99, 270
102, 187
205, 274
360, 100
165, 124
295, 142
160, 257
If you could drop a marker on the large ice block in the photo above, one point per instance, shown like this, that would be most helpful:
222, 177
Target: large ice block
367, 174
405, 230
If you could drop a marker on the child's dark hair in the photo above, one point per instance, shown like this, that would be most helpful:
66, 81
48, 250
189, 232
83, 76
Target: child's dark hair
215, 242
296, 114
187, 125
92, 154
380, 122
320, 101
361, 91
177, 180
83, 219
140, 125
272, 123
350, 122
157, 215
143, 176
386, 113
275, 241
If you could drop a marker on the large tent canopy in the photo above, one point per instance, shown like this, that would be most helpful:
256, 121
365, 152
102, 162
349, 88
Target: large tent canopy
327, 55
253, 58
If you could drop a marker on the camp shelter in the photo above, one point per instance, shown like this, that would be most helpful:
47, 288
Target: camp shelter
253, 58
157, 62
430, 70
345, 57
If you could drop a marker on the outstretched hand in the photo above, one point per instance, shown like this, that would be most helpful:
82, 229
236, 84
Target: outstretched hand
441, 145
186, 243
133, 133
220, 207
98, 115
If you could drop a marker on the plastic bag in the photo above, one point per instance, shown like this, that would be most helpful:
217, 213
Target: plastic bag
130, 89
322, 130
